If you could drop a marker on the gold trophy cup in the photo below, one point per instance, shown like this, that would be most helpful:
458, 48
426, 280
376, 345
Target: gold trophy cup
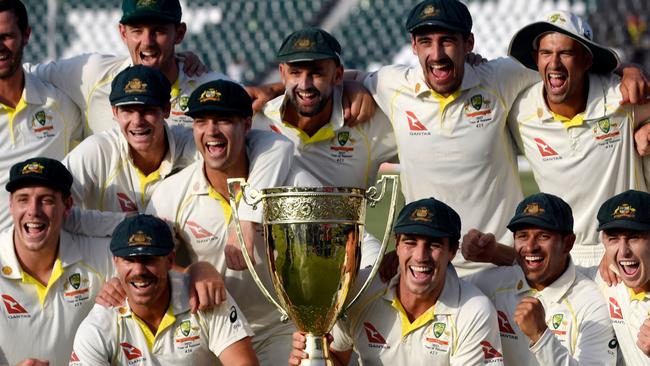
313, 247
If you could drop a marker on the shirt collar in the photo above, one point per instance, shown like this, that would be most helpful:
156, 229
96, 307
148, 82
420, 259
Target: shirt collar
421, 88
32, 91
553, 292
69, 253
449, 299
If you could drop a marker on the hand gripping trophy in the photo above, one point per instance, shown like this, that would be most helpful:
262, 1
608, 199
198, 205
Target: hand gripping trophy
313, 240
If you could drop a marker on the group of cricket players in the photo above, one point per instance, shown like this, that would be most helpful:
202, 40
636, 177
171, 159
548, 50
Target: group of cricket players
118, 244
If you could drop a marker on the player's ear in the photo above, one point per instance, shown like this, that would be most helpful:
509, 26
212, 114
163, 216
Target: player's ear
115, 109
181, 29
413, 44
282, 68
122, 30
28, 32
166, 110
338, 76
568, 240
469, 43
248, 123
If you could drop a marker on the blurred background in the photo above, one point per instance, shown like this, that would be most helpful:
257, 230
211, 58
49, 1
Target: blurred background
240, 38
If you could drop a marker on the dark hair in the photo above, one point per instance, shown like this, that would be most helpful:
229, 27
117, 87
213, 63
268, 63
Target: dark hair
17, 7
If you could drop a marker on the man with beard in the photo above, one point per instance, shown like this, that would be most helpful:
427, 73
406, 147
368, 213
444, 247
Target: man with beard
548, 314
572, 127
624, 221
35, 118
156, 326
426, 315
310, 114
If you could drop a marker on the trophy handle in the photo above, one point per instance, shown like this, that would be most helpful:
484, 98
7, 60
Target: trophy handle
373, 197
253, 200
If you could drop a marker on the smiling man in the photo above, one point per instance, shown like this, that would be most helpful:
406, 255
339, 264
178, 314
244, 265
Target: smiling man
625, 224
426, 315
156, 326
548, 314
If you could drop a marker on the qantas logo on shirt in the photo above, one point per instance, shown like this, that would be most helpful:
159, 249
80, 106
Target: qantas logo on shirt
614, 309
130, 352
374, 337
198, 231
14, 309
544, 148
74, 359
275, 129
489, 353
126, 204
504, 325
415, 126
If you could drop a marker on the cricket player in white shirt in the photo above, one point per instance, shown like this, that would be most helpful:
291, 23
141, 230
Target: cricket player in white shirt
549, 313
156, 326
624, 221
426, 315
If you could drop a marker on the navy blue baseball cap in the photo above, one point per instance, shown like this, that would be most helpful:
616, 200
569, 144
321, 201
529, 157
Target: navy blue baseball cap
142, 235
429, 217
545, 211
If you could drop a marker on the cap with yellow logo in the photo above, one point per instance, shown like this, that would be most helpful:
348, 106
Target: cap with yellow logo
629, 210
140, 85
142, 235
219, 96
148, 11
309, 44
544, 211
429, 217
40, 172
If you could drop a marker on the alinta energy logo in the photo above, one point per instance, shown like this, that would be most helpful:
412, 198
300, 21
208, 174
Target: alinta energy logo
13, 308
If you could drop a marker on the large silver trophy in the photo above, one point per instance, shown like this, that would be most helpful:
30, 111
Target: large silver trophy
313, 247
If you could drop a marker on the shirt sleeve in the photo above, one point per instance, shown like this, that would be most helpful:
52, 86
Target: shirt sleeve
92, 343
592, 345
93, 222
270, 158
478, 340
510, 77
86, 163
342, 339
226, 325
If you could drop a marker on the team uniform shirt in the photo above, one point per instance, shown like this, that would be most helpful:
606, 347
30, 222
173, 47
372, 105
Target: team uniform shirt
108, 185
40, 321
627, 311
117, 336
457, 149
45, 122
579, 331
460, 329
595, 149
87, 80
201, 219
337, 155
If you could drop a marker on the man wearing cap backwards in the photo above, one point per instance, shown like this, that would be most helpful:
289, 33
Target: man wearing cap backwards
117, 171
49, 277
426, 315
156, 326
195, 204
572, 127
625, 224
35, 118
548, 314
310, 114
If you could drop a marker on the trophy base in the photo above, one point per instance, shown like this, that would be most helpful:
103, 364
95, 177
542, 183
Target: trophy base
318, 351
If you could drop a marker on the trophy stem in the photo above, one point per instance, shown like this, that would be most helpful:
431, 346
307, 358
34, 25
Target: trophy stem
318, 351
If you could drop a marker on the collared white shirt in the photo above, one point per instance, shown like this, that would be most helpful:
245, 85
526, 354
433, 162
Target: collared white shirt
457, 149
115, 336
627, 311
579, 331
460, 329
40, 321
585, 160
45, 123
87, 80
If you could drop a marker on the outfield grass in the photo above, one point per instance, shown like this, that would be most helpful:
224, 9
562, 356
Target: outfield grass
376, 217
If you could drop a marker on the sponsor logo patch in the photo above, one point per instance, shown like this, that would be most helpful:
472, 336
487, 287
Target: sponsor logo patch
615, 311
131, 352
126, 204
415, 126
546, 151
375, 339
505, 328
14, 309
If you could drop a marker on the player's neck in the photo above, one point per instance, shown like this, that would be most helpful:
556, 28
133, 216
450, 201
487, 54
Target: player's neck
572, 105
37, 264
308, 124
218, 179
149, 161
153, 313
11, 88
417, 304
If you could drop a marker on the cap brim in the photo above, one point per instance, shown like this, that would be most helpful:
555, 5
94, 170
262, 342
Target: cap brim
214, 109
142, 251
531, 221
141, 100
438, 24
521, 48
624, 224
32, 180
421, 230
305, 56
